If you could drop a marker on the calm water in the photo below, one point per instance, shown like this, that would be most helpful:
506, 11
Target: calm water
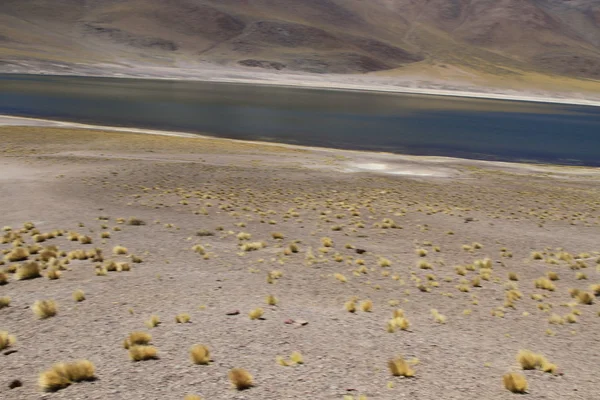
398, 123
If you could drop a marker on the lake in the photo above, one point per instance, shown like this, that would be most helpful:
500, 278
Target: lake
390, 122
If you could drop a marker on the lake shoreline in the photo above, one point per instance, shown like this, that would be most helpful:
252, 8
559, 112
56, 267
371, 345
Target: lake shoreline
384, 158
282, 82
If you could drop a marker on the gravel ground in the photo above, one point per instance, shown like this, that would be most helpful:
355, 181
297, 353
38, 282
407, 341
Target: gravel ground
84, 181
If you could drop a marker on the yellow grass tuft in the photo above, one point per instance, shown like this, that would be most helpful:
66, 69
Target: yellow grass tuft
200, 354
118, 250
544, 283
64, 374
366, 306
556, 319
240, 378
4, 302
153, 322
327, 242
384, 262
105, 235
244, 236
340, 277
252, 246
53, 274
512, 276
585, 298
421, 252
296, 358
399, 367
44, 308
271, 300
17, 254
350, 306
182, 318
439, 318
553, 276
3, 278
85, 239
277, 235
257, 313
192, 397
6, 340
137, 339
514, 382
26, 271
536, 255
528, 359
142, 353
402, 323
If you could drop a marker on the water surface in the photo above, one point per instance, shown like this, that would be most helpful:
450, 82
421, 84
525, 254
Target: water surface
397, 123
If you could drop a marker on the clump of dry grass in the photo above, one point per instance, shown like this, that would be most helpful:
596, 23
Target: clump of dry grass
4, 302
135, 221
366, 306
119, 250
137, 339
271, 300
514, 382
53, 274
585, 298
350, 306
296, 358
182, 318
143, 353
78, 295
545, 283
528, 359
44, 308
105, 235
340, 277
3, 278
439, 318
244, 236
421, 252
252, 246
424, 265
240, 378
26, 271
399, 367
553, 276
17, 254
192, 397
200, 354
6, 340
556, 319
513, 276
153, 322
327, 242
278, 235
536, 255
85, 240
257, 313
64, 374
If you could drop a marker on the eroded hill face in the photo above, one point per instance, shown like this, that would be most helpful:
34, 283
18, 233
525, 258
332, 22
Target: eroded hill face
319, 36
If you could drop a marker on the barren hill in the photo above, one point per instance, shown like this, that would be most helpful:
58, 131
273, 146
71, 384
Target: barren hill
499, 37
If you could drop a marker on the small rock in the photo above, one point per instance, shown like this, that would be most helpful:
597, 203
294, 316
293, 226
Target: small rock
234, 312
288, 321
15, 384
302, 322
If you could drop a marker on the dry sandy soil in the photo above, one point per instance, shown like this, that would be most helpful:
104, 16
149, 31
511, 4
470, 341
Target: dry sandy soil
206, 191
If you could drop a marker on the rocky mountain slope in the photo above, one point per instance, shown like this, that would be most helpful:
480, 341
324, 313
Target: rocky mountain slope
499, 37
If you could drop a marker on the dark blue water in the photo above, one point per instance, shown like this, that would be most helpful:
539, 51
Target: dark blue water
398, 123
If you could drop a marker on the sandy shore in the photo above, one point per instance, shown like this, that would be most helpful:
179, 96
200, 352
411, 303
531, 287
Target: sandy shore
314, 228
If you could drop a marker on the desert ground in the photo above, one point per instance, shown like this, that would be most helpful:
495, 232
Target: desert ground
455, 266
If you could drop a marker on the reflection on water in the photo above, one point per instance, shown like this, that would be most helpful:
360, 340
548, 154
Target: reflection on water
399, 123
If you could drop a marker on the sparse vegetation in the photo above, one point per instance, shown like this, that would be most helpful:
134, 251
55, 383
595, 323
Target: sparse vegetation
44, 309
64, 374
241, 379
